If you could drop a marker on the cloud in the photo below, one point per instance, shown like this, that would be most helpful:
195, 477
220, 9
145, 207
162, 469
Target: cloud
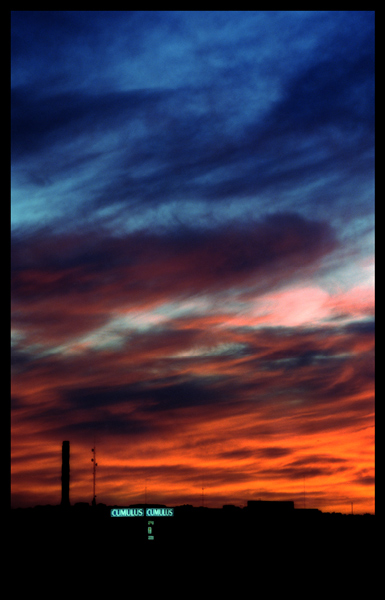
274, 452
41, 123
86, 277
221, 133
79, 297
145, 383
197, 417
191, 227
149, 397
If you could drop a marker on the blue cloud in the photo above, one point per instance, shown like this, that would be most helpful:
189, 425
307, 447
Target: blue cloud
121, 110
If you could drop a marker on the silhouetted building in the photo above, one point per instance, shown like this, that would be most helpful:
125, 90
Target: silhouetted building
270, 507
65, 475
307, 513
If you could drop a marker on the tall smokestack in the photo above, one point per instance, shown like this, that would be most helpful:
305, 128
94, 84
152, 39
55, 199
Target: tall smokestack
65, 475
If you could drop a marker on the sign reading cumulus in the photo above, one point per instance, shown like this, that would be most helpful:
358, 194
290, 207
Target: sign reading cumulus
140, 512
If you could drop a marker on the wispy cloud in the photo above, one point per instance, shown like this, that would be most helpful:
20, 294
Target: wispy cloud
192, 254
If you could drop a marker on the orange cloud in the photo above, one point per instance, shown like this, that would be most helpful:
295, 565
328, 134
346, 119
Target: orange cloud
254, 397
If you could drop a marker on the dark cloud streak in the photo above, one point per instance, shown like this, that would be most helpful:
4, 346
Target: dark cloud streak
214, 258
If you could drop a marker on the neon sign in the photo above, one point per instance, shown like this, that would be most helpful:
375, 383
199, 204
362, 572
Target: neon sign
141, 512
127, 512
159, 512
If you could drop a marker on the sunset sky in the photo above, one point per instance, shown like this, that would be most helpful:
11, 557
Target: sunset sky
192, 257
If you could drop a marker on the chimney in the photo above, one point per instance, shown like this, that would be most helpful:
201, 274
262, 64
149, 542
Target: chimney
65, 475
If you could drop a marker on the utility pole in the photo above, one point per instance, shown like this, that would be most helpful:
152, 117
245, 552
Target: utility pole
94, 472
